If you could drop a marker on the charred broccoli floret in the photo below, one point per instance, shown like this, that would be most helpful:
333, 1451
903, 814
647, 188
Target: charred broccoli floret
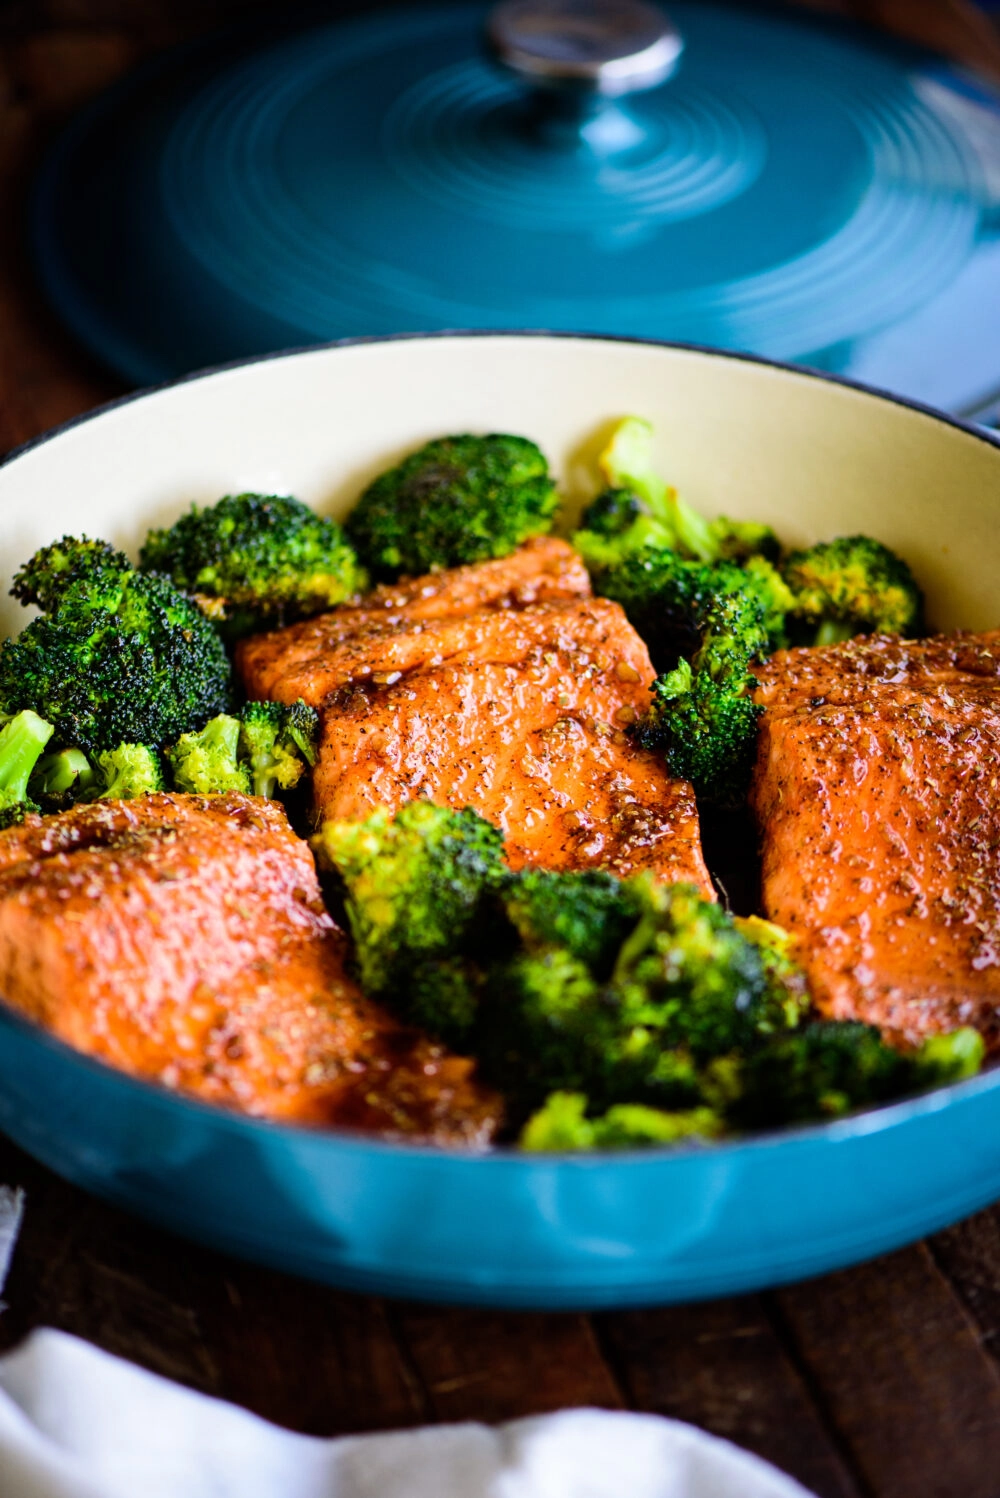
685, 988
207, 763
258, 560
832, 1067
562, 1124
457, 500
702, 716
639, 511
667, 599
414, 886
122, 656
22, 739
55, 570
787, 992
852, 586
278, 743
588, 913
130, 770
263, 751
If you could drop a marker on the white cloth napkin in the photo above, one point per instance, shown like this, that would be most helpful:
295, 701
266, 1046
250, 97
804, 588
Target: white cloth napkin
11, 1209
78, 1423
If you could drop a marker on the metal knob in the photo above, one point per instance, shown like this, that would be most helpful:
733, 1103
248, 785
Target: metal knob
605, 48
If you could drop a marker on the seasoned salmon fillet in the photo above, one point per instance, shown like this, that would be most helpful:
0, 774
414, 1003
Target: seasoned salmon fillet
517, 706
876, 795
183, 939
287, 663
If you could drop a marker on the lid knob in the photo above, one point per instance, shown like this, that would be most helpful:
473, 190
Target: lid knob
602, 47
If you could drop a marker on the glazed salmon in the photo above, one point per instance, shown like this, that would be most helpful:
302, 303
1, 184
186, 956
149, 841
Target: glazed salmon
541, 570
518, 708
876, 795
183, 939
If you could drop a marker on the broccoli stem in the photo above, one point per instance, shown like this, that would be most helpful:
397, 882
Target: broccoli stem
834, 632
55, 774
21, 743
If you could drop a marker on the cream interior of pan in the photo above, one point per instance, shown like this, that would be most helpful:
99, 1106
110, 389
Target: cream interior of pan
812, 458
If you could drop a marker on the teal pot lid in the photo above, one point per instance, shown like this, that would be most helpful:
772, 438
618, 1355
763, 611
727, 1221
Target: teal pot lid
797, 189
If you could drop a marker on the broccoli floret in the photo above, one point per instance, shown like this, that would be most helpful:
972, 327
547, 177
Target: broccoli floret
667, 599
207, 763
279, 743
588, 913
831, 1067
265, 750
64, 777
561, 1124
54, 570
414, 888
130, 770
689, 974
685, 987
787, 992
852, 586
258, 560
641, 511
122, 658
442, 995
457, 500
702, 715
22, 739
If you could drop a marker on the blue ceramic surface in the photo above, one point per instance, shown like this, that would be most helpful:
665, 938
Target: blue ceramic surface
798, 189
507, 1228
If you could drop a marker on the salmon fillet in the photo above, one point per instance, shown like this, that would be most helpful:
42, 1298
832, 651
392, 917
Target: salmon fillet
183, 939
281, 664
875, 792
517, 708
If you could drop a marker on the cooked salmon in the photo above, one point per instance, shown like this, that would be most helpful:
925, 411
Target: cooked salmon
541, 570
184, 939
876, 795
518, 707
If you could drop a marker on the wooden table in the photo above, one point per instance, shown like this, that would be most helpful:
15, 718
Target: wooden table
879, 1382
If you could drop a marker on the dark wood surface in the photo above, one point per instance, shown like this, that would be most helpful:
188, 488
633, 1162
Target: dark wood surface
878, 1382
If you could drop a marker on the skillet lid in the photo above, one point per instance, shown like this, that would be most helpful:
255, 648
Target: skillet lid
766, 182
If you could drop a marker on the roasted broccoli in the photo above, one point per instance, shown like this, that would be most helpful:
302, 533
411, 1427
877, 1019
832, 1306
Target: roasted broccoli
56, 570
823, 1071
611, 1012
130, 770
22, 739
639, 511
562, 1124
256, 561
61, 778
278, 743
588, 913
121, 656
703, 716
685, 987
414, 893
266, 749
787, 992
831, 1067
458, 499
852, 586
207, 763
666, 599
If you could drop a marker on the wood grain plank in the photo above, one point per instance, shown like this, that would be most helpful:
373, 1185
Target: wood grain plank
721, 1366
969, 1254
500, 1365
308, 1357
903, 1374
